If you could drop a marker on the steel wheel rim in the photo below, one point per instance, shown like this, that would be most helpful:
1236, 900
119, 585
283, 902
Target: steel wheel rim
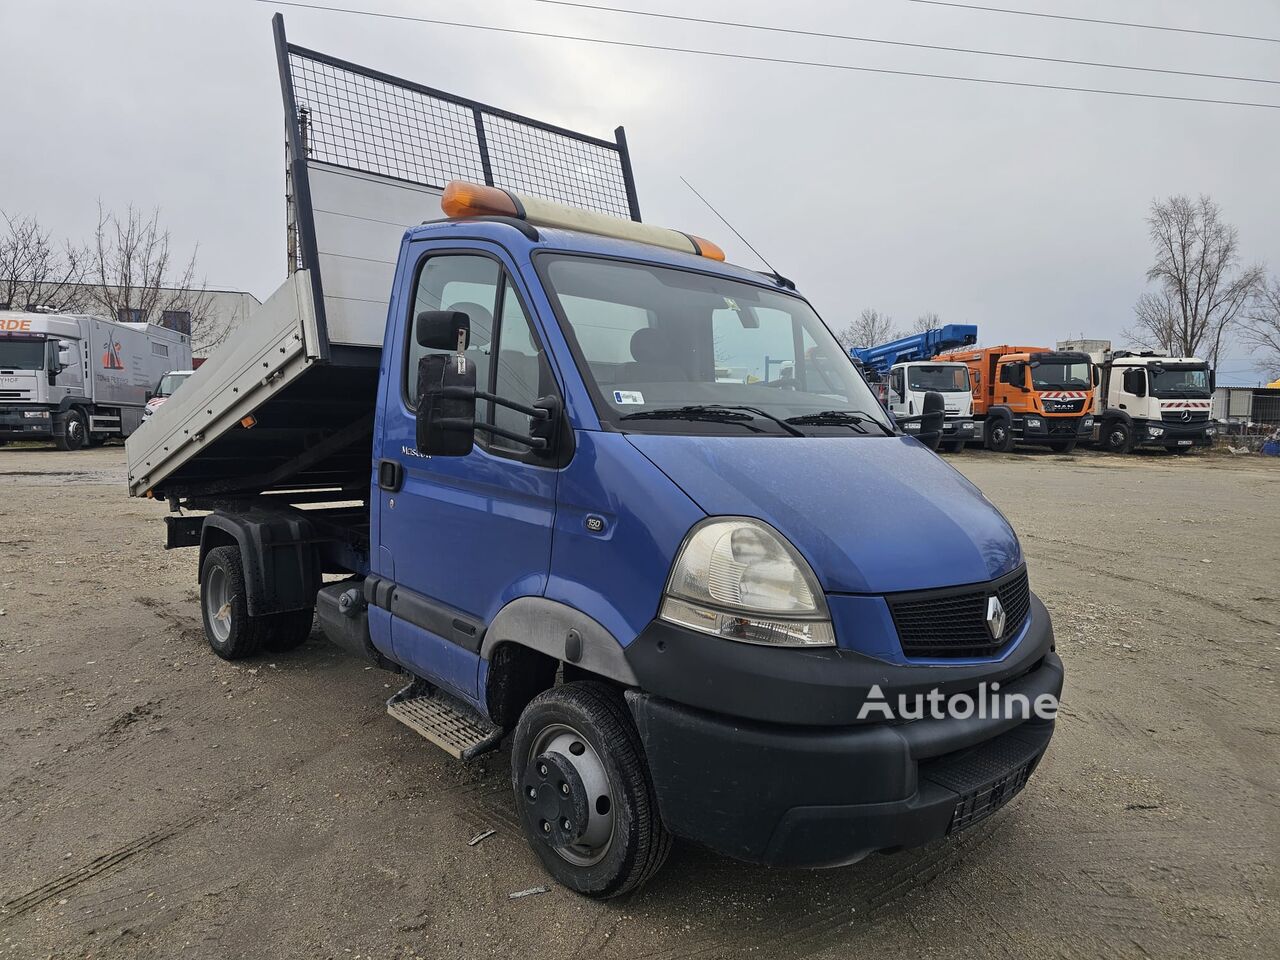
560, 738
1117, 437
217, 604
75, 429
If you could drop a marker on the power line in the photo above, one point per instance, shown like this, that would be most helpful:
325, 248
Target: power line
1109, 23
902, 43
781, 60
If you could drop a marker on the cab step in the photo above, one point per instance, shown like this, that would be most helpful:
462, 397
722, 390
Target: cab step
446, 721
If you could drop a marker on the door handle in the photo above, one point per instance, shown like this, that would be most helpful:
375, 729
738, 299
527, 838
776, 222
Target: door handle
390, 475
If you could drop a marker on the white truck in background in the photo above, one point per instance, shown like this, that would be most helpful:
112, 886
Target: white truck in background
1145, 399
79, 380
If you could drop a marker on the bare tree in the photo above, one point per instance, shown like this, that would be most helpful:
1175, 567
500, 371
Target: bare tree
1202, 291
926, 321
137, 277
1261, 328
870, 328
35, 271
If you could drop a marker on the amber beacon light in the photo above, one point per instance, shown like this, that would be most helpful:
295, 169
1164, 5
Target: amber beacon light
464, 199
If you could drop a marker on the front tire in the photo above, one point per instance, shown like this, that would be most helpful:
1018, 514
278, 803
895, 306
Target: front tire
999, 435
1117, 436
583, 792
75, 432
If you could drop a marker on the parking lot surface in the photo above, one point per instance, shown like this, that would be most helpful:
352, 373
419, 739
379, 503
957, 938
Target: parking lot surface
159, 802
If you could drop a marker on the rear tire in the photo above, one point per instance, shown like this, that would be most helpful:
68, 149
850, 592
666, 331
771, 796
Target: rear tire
288, 631
75, 432
231, 632
999, 436
592, 818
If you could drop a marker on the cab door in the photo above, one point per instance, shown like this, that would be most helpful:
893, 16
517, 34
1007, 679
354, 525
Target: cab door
461, 536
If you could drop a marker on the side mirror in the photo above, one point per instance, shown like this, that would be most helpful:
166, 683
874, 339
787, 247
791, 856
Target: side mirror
443, 330
1213, 380
933, 413
1096, 374
446, 420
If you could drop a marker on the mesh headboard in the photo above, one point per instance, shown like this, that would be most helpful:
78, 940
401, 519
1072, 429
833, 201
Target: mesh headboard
369, 155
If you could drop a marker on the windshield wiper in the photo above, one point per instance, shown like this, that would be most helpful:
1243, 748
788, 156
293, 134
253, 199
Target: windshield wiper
839, 418
714, 413
708, 414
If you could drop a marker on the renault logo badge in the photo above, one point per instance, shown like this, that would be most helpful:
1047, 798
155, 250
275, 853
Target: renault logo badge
995, 617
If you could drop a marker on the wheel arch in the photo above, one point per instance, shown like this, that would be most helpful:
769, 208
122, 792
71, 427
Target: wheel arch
527, 641
278, 554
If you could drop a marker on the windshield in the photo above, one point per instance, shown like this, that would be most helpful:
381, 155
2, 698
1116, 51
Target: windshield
22, 354
170, 382
1187, 381
651, 338
944, 379
1061, 375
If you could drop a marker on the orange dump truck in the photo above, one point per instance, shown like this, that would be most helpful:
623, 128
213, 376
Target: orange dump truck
1029, 395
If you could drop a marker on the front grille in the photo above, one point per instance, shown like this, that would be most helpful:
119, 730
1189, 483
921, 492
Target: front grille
953, 622
1175, 416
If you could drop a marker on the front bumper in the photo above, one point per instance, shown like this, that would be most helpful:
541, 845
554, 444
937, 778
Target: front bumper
15, 425
1174, 435
818, 797
1040, 428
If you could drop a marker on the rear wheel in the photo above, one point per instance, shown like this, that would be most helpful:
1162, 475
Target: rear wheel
286, 631
583, 791
1000, 435
75, 431
1117, 436
231, 632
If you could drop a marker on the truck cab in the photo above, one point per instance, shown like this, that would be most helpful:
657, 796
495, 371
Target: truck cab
1030, 395
744, 610
41, 370
909, 382
1152, 401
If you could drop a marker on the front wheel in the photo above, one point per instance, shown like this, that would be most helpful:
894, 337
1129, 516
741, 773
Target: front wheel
1117, 436
75, 432
1000, 436
583, 792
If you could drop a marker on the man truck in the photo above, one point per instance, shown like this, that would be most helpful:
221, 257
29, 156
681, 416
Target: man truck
79, 380
1147, 400
906, 369
1029, 395
500, 462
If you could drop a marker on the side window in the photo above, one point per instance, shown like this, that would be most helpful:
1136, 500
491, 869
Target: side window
466, 282
521, 370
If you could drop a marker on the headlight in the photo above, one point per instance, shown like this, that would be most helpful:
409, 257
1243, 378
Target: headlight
1155, 431
739, 579
36, 414
1210, 431
1033, 422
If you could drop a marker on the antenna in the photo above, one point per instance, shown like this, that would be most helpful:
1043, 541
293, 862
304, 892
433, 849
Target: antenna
758, 254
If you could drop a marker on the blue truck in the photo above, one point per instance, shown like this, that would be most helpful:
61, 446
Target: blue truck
505, 463
903, 371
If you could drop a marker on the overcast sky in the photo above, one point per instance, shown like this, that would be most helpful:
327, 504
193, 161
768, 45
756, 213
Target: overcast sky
1019, 210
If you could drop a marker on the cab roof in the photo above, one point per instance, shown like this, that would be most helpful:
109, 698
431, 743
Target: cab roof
522, 237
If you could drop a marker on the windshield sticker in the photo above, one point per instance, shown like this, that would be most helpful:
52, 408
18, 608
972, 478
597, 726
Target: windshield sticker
627, 396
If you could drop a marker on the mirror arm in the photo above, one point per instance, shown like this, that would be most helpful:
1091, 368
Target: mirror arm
467, 393
534, 443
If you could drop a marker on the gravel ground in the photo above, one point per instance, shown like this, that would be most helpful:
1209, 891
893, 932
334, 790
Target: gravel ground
159, 802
